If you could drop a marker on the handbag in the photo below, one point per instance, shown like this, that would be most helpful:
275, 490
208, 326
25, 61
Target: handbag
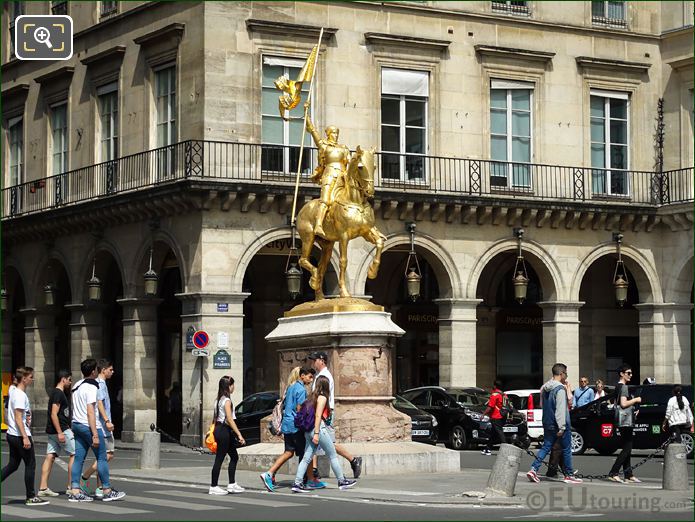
210, 441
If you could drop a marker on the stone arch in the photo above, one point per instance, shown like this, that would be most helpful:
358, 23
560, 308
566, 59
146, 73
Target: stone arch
543, 263
259, 242
679, 288
10, 262
85, 270
644, 272
159, 236
37, 281
440, 260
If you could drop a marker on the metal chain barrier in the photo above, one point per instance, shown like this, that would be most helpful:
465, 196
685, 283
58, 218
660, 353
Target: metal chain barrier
170, 438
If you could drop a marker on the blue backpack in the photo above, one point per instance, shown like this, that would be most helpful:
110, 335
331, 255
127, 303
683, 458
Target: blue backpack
305, 418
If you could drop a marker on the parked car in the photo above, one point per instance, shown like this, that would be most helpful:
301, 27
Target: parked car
593, 424
424, 425
251, 410
460, 414
528, 402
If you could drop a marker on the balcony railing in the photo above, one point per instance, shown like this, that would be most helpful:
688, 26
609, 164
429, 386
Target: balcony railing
415, 174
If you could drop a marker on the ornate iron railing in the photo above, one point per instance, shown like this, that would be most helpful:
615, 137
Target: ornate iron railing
412, 174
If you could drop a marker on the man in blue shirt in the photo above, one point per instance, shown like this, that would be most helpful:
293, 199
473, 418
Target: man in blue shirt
294, 439
583, 394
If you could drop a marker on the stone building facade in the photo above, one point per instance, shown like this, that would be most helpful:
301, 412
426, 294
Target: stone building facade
158, 145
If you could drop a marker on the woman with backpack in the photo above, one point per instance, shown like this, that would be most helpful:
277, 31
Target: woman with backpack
679, 417
311, 419
227, 436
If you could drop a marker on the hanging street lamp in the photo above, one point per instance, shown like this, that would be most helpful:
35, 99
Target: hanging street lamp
520, 276
151, 278
413, 273
293, 274
94, 284
620, 279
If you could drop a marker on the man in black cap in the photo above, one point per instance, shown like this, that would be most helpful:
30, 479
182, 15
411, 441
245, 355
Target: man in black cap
320, 361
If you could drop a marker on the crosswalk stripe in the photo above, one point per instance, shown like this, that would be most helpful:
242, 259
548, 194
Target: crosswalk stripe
165, 502
235, 499
107, 508
30, 512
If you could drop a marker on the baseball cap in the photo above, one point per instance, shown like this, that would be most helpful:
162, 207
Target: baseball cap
318, 355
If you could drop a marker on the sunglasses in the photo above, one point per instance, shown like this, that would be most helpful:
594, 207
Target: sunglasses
628, 373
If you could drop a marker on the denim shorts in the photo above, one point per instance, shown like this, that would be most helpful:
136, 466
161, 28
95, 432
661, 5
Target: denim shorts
55, 446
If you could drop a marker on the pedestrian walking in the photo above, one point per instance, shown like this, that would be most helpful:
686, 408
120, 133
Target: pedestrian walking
556, 424
625, 419
497, 420
293, 437
320, 363
59, 430
584, 394
318, 408
87, 435
18, 435
556, 461
600, 391
104, 425
228, 436
679, 416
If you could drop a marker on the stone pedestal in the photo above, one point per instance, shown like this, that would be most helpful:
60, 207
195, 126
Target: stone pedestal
360, 359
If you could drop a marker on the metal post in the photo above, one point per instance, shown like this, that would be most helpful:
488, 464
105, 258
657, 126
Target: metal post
202, 424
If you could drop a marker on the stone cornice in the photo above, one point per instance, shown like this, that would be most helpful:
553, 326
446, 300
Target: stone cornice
408, 41
172, 31
17, 91
113, 54
288, 29
60, 74
510, 52
589, 62
681, 63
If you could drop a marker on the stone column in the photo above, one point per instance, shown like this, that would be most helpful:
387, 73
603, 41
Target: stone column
457, 341
486, 341
681, 330
139, 366
200, 310
561, 336
85, 334
39, 341
6, 359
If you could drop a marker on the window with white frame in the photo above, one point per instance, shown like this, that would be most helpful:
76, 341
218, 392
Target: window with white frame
107, 96
15, 135
59, 138
610, 153
281, 138
608, 13
404, 101
108, 8
165, 105
511, 121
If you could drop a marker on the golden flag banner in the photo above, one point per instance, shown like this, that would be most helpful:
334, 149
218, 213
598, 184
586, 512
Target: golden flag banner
292, 89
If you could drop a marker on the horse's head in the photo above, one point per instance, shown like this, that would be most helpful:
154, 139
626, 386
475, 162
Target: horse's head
363, 168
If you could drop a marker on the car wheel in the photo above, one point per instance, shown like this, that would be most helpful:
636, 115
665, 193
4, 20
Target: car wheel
687, 440
457, 438
578, 445
606, 451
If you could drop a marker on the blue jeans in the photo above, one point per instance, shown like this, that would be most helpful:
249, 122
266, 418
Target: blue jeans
83, 441
326, 445
549, 438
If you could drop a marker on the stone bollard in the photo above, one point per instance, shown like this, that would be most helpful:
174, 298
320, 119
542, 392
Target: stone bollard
149, 455
676, 468
504, 472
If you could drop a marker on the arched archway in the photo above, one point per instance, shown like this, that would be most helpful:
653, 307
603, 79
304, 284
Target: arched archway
13, 321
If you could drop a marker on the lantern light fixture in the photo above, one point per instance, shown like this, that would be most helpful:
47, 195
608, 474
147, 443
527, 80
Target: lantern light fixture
151, 278
49, 294
94, 284
620, 279
520, 277
413, 273
293, 274
3, 299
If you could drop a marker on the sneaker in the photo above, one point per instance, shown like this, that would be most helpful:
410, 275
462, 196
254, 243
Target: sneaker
551, 473
79, 497
113, 495
616, 478
216, 490
633, 479
36, 501
315, 484
84, 486
356, 465
299, 488
48, 492
316, 473
533, 476
571, 479
268, 481
235, 488
275, 483
486, 452
99, 493
346, 483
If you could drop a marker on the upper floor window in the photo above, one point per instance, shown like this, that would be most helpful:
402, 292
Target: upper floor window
404, 102
15, 127
165, 103
107, 96
608, 13
16, 10
59, 138
510, 133
285, 134
510, 6
59, 8
108, 8
610, 142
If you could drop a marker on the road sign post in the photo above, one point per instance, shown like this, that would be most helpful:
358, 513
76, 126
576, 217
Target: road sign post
200, 340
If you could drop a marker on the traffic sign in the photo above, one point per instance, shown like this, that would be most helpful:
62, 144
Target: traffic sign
201, 339
200, 352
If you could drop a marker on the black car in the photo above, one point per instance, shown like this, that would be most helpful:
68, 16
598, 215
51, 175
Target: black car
460, 414
593, 424
424, 425
251, 410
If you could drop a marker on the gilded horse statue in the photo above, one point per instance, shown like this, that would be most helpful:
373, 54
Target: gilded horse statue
349, 216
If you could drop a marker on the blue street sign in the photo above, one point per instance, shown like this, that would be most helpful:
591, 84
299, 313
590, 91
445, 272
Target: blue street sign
201, 339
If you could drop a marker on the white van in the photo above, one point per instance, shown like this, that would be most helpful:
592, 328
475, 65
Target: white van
528, 402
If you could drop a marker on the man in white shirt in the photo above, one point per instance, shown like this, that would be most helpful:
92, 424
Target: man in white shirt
320, 361
84, 426
19, 435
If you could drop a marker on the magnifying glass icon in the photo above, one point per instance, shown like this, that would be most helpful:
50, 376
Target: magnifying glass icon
42, 35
